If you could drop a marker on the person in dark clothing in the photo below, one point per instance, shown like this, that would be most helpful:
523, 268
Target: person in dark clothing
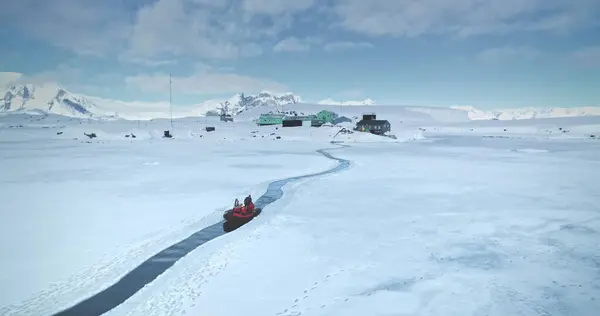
248, 204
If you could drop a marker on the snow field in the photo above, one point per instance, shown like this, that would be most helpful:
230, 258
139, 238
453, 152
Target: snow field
444, 220
408, 231
77, 217
555, 128
185, 129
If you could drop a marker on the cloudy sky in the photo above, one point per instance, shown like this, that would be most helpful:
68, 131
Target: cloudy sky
485, 53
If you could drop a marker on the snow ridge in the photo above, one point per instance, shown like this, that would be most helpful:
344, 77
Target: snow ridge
528, 113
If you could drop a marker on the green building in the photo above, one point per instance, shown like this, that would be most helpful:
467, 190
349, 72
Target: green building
326, 116
305, 118
270, 119
316, 123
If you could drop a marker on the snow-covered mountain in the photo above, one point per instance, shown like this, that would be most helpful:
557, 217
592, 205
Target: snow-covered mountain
333, 102
235, 105
50, 98
46, 99
53, 99
528, 113
241, 102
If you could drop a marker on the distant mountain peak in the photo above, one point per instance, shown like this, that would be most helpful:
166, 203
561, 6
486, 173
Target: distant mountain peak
49, 99
241, 102
23, 93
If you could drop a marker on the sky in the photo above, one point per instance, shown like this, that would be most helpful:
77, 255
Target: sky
483, 53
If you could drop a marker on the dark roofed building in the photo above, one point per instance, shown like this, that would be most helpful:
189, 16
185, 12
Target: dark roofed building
291, 123
226, 118
369, 116
373, 126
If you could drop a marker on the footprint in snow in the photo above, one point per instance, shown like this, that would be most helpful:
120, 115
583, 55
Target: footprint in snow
292, 310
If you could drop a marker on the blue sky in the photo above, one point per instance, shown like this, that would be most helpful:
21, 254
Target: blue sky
488, 54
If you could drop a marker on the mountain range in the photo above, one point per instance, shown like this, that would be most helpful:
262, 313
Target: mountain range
528, 113
51, 98
241, 102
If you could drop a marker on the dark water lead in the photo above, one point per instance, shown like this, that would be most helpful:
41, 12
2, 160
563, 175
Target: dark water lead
150, 269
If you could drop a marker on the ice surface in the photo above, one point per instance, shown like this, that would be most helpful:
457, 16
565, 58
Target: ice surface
555, 128
76, 218
417, 229
451, 218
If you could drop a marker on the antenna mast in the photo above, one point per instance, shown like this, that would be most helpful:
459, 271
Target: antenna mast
170, 100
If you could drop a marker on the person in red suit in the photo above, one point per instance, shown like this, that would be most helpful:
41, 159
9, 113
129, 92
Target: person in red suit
243, 211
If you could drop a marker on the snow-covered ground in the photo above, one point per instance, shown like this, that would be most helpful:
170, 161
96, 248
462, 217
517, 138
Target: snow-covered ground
417, 229
448, 219
74, 218
555, 128
529, 113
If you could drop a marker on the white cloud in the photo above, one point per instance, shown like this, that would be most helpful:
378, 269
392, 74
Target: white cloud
135, 110
203, 82
155, 31
213, 30
7, 78
588, 56
149, 62
158, 31
63, 73
501, 54
68, 77
294, 44
168, 26
212, 3
341, 46
463, 17
275, 7
347, 96
86, 27
72, 78
350, 93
